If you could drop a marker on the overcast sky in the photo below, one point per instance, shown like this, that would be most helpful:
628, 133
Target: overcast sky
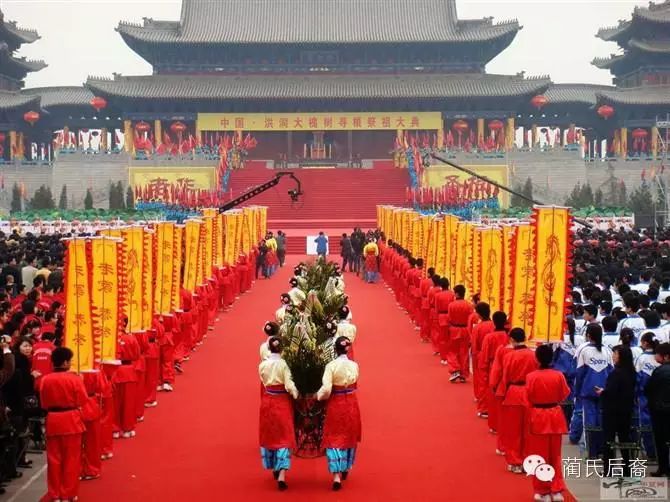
78, 36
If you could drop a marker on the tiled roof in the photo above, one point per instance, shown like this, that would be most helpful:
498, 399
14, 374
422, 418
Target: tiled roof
19, 35
648, 95
605, 63
26, 64
612, 32
9, 100
656, 13
656, 46
317, 87
314, 21
575, 93
60, 96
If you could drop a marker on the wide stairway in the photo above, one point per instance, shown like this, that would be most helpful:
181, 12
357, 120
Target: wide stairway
334, 200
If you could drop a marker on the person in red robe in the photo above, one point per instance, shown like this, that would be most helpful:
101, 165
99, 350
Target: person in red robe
166, 344
492, 342
459, 313
153, 354
141, 371
63, 395
108, 409
546, 388
433, 326
479, 332
516, 365
442, 301
125, 387
424, 307
42, 350
91, 458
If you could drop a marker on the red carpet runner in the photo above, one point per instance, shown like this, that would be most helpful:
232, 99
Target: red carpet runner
421, 440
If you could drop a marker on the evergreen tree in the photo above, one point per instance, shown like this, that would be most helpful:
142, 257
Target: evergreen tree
598, 198
62, 201
88, 200
119, 191
641, 200
16, 205
130, 198
574, 199
515, 200
622, 195
586, 198
113, 197
42, 199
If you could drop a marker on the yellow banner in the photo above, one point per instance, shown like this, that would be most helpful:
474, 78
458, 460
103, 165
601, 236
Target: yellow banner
148, 273
463, 248
361, 121
523, 289
191, 248
165, 265
440, 175
160, 179
552, 231
133, 242
477, 262
247, 217
106, 295
492, 267
508, 268
177, 269
78, 318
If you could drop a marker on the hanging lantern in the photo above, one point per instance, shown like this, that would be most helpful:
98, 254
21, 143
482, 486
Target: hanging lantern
142, 126
98, 103
178, 127
460, 126
640, 133
31, 117
496, 125
539, 101
605, 111
3, 137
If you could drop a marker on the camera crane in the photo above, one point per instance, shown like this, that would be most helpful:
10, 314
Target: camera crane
294, 193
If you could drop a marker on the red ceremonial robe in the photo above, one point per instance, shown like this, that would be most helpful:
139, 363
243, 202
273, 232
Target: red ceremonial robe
487, 355
545, 390
459, 312
442, 301
91, 463
125, 384
424, 310
515, 366
166, 344
479, 332
62, 395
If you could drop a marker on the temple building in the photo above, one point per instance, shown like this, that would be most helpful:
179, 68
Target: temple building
341, 81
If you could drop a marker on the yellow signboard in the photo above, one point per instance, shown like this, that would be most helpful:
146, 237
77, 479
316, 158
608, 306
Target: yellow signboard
160, 178
319, 121
438, 175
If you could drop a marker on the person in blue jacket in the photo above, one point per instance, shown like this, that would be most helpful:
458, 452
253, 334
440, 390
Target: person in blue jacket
645, 365
564, 361
594, 364
321, 245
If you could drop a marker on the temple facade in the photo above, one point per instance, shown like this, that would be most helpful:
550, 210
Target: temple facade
341, 81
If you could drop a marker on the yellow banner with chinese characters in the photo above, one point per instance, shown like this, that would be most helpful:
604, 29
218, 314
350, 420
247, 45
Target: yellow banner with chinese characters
441, 175
165, 265
552, 247
177, 270
462, 252
523, 286
508, 268
451, 237
230, 225
78, 318
107, 292
247, 217
191, 253
476, 262
160, 179
361, 121
491, 252
148, 273
133, 243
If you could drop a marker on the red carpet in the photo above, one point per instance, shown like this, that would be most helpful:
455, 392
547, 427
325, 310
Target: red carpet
421, 440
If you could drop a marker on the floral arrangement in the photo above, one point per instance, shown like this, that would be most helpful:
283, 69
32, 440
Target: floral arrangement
308, 328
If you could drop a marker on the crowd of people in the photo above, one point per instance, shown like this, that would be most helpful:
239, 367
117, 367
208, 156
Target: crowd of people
609, 378
271, 254
76, 417
342, 423
359, 250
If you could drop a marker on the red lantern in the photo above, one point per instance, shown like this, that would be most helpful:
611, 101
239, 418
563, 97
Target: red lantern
178, 127
98, 103
539, 101
142, 127
639, 133
31, 117
460, 126
2, 137
605, 111
496, 125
